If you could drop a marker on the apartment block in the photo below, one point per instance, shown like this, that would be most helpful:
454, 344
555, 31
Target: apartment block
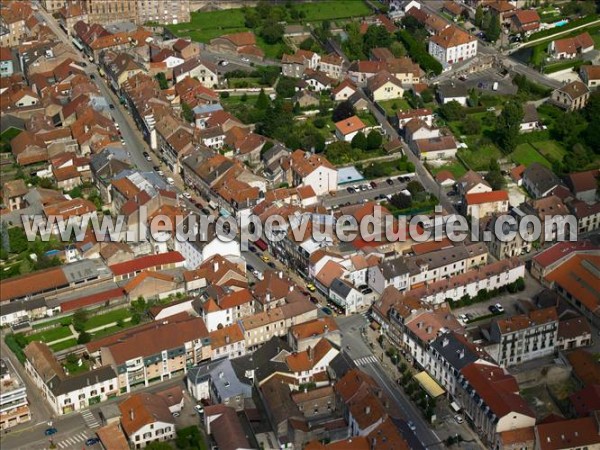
14, 407
138, 11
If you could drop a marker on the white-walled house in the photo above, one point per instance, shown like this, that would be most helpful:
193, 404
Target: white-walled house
146, 418
346, 129
452, 45
308, 169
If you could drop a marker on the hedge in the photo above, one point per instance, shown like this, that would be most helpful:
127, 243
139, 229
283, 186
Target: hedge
570, 25
418, 52
575, 65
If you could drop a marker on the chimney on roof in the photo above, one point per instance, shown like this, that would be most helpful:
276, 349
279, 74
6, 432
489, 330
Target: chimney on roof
268, 297
461, 353
227, 339
280, 274
291, 289
216, 266
311, 353
131, 415
367, 410
445, 342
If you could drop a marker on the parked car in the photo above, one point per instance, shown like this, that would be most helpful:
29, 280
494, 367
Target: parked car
92, 76
491, 109
459, 419
50, 431
252, 248
265, 258
187, 195
373, 184
92, 441
250, 268
389, 181
314, 299
493, 309
156, 168
111, 106
499, 307
327, 311
199, 409
271, 265
147, 156
171, 181
311, 287
160, 173
411, 425
350, 190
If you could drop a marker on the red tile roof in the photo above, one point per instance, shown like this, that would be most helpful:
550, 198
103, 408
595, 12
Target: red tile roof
90, 300
350, 125
147, 262
486, 197
562, 249
573, 433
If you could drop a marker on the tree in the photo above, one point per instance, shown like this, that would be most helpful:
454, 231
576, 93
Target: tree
508, 125
374, 140
359, 141
262, 101
427, 96
343, 111
401, 201
339, 152
286, 87
156, 445
414, 187
84, 338
80, 317
72, 358
136, 318
471, 125
162, 80
479, 16
397, 49
319, 122
307, 44
495, 179
272, 32
452, 111
376, 36
187, 113
487, 20
495, 29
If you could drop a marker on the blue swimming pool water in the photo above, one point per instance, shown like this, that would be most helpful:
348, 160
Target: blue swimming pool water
561, 23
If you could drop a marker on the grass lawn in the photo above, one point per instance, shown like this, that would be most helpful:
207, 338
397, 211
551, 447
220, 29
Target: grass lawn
50, 335
64, 345
248, 82
206, 25
479, 159
333, 9
456, 167
526, 154
111, 330
550, 149
64, 320
367, 118
596, 37
109, 317
75, 368
236, 100
392, 106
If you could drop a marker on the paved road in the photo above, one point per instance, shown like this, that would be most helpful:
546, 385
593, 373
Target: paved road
425, 177
363, 355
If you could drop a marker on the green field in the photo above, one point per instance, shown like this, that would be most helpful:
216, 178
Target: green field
526, 154
456, 167
550, 149
50, 335
596, 37
479, 159
64, 345
393, 106
206, 25
109, 317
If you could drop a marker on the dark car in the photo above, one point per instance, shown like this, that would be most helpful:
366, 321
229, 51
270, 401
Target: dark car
205, 211
350, 190
92, 76
50, 431
252, 248
271, 265
314, 299
92, 441
327, 311
400, 179
373, 184
111, 106
389, 181
493, 309
156, 168
249, 268
83, 64
452, 193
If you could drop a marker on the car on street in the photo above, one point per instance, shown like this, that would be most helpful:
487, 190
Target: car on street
373, 184
252, 248
389, 181
50, 431
492, 309
205, 211
92, 441
147, 156
411, 425
256, 273
187, 195
160, 172
314, 299
223, 63
111, 106
156, 168
499, 307
350, 190
92, 76
459, 419
250, 268
265, 258
271, 265
327, 311
245, 59
311, 287
199, 409
171, 181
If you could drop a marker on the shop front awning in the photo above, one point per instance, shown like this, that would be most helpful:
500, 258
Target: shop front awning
429, 385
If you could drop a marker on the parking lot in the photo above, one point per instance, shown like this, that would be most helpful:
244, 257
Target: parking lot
365, 191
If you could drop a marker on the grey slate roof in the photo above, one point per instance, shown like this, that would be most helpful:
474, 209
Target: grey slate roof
22, 305
454, 351
340, 288
60, 386
541, 177
391, 268
266, 360
453, 90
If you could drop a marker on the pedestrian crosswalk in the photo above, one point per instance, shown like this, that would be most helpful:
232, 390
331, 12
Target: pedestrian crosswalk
69, 442
90, 419
365, 360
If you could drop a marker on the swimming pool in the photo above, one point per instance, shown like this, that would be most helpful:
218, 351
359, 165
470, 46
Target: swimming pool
561, 23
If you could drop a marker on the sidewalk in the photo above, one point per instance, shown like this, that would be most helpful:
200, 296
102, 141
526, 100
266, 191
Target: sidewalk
75, 334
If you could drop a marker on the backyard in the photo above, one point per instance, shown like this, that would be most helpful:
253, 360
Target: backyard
393, 106
480, 158
526, 154
207, 25
455, 167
